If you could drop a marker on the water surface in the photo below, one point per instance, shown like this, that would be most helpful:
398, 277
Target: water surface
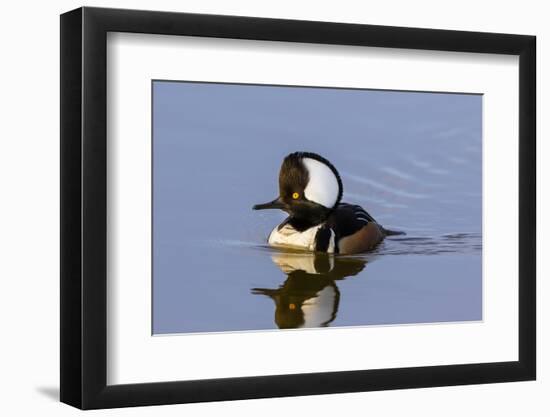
413, 160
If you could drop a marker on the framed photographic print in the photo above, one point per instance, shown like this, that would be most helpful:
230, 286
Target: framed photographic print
257, 207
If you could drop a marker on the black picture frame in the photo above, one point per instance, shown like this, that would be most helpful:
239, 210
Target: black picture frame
84, 221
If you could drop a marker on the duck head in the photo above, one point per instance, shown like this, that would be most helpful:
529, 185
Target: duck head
309, 189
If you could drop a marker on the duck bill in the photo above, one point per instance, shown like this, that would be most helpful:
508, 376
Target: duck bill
275, 204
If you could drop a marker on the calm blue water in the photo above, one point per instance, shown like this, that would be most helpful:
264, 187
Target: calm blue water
413, 160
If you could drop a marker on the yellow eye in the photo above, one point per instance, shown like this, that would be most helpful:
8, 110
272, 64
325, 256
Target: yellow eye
295, 196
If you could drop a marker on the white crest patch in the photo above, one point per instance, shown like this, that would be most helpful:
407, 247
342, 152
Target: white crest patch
322, 187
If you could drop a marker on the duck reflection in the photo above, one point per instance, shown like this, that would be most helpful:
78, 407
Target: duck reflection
309, 297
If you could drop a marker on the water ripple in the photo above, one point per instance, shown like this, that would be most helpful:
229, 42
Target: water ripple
458, 243
382, 187
464, 243
397, 173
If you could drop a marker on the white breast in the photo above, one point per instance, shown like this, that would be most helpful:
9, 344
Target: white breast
291, 238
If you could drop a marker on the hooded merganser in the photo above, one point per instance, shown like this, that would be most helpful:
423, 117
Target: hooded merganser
310, 191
